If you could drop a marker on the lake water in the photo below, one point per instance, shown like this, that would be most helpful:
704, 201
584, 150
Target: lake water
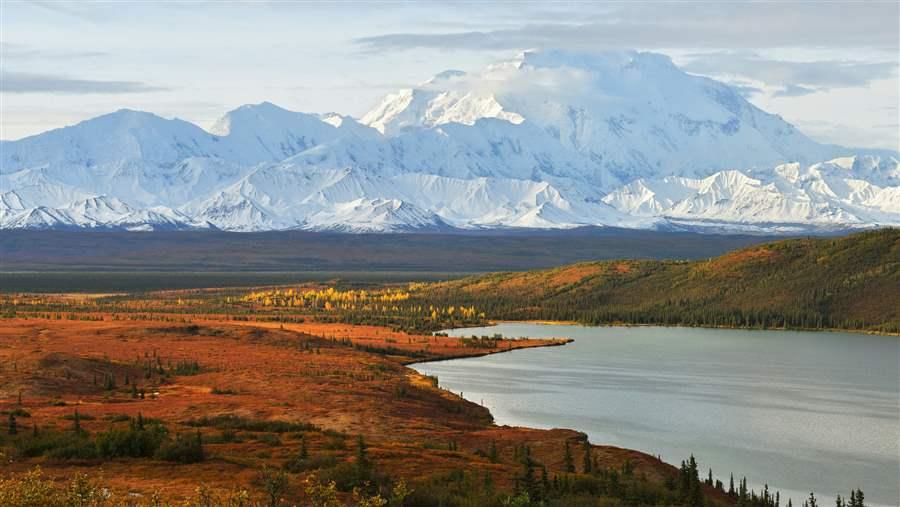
800, 411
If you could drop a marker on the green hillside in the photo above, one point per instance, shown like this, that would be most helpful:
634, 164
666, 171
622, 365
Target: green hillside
851, 282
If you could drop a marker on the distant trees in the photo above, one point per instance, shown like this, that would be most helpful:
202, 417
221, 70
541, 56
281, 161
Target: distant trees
587, 464
568, 462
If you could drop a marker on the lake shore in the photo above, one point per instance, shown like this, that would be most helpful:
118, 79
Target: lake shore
625, 373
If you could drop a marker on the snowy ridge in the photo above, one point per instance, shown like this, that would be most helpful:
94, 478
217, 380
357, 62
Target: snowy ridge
549, 139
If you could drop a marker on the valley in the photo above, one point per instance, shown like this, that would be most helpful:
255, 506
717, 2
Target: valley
302, 391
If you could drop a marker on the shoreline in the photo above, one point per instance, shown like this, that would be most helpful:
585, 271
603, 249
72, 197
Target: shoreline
625, 324
550, 342
597, 445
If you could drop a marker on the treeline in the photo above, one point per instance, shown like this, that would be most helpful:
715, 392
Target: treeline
847, 283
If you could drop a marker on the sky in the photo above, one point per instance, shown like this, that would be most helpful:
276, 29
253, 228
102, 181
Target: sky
831, 68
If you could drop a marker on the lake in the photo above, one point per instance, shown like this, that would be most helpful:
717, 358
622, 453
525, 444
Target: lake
800, 411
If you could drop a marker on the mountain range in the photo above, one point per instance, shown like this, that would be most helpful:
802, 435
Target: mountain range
549, 139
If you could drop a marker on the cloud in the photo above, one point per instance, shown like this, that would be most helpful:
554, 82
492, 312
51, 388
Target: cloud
793, 91
81, 11
795, 78
745, 89
22, 82
676, 25
10, 51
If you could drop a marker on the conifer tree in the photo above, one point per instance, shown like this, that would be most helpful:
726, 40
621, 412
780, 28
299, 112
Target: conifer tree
811, 501
568, 462
362, 458
588, 462
13, 429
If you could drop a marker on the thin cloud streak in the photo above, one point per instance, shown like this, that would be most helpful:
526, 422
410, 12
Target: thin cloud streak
676, 25
23, 82
821, 74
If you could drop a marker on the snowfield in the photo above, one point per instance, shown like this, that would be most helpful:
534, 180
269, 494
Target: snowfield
550, 139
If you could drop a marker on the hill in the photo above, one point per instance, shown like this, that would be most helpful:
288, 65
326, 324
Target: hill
850, 283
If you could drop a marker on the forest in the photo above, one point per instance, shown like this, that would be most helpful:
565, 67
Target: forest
850, 283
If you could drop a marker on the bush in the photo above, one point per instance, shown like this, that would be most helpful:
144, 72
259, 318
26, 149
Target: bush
233, 422
269, 439
182, 449
298, 464
132, 442
78, 448
55, 444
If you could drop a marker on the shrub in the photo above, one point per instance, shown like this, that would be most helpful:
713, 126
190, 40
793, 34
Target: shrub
182, 449
132, 442
56, 444
298, 464
229, 421
269, 439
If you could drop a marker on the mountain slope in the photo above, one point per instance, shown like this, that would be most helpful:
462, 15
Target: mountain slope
550, 139
851, 282
637, 112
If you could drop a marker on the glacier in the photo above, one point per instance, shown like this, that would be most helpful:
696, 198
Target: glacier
547, 139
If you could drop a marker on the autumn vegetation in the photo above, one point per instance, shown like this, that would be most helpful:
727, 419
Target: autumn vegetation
300, 395
849, 283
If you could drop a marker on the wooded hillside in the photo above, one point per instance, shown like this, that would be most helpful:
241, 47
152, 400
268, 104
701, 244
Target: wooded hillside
851, 282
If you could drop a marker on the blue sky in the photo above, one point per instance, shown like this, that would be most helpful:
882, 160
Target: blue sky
829, 67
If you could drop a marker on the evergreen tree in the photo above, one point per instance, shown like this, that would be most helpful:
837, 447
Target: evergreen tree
588, 462
811, 501
488, 482
860, 498
568, 462
362, 458
304, 452
492, 452
13, 429
731, 491
76, 423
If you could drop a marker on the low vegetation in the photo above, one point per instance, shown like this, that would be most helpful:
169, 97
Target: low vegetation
298, 395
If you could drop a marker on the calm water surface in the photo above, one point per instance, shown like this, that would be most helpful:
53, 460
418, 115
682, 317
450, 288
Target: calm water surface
799, 411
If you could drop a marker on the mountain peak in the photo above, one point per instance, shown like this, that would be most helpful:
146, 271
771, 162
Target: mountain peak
552, 139
551, 58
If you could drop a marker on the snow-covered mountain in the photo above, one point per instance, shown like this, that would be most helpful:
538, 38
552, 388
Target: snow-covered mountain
549, 139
